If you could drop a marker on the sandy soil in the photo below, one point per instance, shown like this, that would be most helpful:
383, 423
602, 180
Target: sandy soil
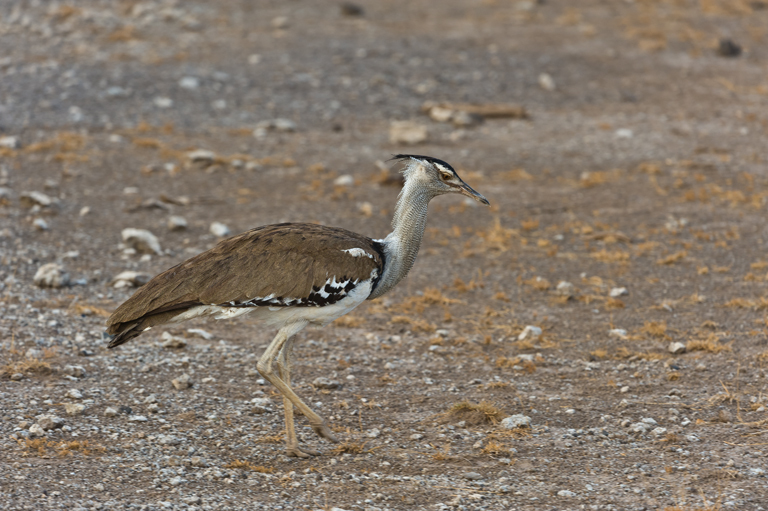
641, 165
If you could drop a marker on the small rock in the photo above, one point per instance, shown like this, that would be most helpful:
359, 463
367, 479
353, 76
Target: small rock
75, 394
189, 82
260, 405
110, 412
728, 48
756, 472
49, 422
659, 431
171, 341
280, 22
163, 102
648, 420
40, 224
280, 124
676, 348
142, 241
624, 133
219, 230
464, 119
168, 440
176, 481
182, 382
546, 82
530, 332
51, 275
98, 487
565, 288
344, 180
473, 476
618, 332
326, 383
137, 418
200, 333
36, 430
516, 421
30, 199
618, 291
624, 389
351, 10
74, 408
417, 436
201, 156
17, 377
130, 278
9, 142
373, 433
566, 493
177, 223
76, 371
407, 132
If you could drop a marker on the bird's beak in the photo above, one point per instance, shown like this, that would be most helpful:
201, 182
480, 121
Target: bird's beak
467, 190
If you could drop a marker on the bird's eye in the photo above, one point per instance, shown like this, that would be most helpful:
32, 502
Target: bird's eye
444, 176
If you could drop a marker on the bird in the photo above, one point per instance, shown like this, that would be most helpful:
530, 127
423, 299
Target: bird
291, 275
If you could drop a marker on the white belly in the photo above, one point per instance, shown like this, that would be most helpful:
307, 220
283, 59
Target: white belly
279, 316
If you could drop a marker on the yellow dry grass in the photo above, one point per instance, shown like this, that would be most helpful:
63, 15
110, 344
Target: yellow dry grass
711, 344
656, 329
40, 446
483, 412
615, 256
247, 465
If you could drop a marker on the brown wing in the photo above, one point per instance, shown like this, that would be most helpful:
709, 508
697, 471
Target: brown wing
275, 265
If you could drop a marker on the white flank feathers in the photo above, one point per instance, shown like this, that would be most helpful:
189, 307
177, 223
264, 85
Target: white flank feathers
357, 252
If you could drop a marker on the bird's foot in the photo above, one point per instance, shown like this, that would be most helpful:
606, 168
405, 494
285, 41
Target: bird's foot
324, 431
300, 452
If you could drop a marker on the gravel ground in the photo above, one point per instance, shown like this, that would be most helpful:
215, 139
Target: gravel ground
596, 340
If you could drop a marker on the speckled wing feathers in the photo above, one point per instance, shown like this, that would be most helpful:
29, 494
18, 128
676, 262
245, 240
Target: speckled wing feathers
278, 265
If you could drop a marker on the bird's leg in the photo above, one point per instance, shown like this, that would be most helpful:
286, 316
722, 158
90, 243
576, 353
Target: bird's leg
284, 371
265, 368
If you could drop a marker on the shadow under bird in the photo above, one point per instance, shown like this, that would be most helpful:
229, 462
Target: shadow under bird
290, 275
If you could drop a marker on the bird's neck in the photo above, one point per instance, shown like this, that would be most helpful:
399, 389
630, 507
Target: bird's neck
402, 245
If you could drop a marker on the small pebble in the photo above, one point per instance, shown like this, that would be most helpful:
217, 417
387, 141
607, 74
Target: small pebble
219, 230
618, 291
177, 223
141, 240
473, 476
40, 224
182, 382
326, 383
51, 275
546, 82
74, 408
110, 412
530, 332
516, 421
676, 348
173, 342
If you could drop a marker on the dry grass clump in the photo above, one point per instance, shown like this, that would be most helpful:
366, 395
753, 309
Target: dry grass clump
615, 256
672, 258
711, 345
475, 413
745, 303
25, 366
656, 329
247, 465
495, 448
349, 321
539, 283
350, 447
40, 447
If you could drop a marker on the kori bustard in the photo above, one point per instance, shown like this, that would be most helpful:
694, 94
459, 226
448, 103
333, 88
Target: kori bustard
290, 275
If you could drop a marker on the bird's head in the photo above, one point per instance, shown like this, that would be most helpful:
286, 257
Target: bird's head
436, 176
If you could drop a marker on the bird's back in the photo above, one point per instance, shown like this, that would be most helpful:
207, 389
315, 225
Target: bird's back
282, 265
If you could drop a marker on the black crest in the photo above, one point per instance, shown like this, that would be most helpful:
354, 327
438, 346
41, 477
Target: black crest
423, 158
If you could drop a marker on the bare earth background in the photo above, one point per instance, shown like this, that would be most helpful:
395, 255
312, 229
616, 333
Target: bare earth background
642, 165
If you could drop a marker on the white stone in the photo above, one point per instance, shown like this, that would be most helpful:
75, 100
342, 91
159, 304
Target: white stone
29, 199
658, 431
36, 430
280, 22
110, 412
163, 102
373, 433
182, 382
219, 230
407, 132
9, 142
566, 493
74, 408
171, 341
48, 422
530, 332
618, 291
417, 436
344, 180
648, 420
516, 421
177, 223
201, 155
141, 240
130, 278
75, 394
624, 133
260, 404
546, 82
624, 389
200, 333
565, 288
618, 332
189, 82
137, 418
51, 275
325, 383
40, 224
676, 348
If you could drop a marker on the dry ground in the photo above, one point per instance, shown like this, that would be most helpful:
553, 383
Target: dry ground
644, 168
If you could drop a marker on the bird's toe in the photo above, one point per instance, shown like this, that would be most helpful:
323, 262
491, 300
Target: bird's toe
302, 452
324, 431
